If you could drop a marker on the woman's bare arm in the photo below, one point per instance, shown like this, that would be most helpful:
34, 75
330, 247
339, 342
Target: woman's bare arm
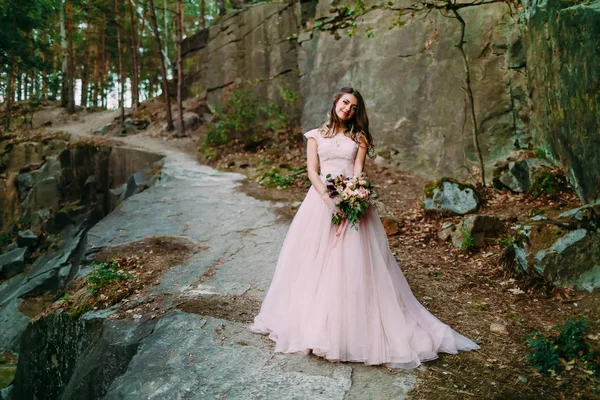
359, 161
312, 166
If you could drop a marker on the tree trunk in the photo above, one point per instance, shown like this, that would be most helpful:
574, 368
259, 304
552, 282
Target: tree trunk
179, 67
84, 71
63, 44
203, 14
102, 71
135, 97
10, 92
221, 4
163, 70
96, 75
138, 45
121, 80
70, 58
166, 29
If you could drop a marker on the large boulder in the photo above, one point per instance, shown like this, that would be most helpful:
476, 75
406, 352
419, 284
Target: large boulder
191, 121
564, 251
532, 175
450, 197
476, 228
12, 263
27, 238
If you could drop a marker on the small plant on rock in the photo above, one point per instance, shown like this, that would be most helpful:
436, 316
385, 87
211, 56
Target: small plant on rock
468, 242
549, 183
106, 275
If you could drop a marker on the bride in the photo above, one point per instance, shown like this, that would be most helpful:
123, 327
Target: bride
345, 298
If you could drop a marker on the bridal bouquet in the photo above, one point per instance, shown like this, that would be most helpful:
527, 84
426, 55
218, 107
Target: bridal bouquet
352, 196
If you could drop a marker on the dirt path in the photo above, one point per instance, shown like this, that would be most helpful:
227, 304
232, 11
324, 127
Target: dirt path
85, 123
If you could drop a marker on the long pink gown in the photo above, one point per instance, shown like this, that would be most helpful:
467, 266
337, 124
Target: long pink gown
347, 300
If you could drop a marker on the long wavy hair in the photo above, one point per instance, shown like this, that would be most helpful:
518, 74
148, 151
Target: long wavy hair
356, 128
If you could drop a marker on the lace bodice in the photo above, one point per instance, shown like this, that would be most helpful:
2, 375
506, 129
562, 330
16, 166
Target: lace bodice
336, 154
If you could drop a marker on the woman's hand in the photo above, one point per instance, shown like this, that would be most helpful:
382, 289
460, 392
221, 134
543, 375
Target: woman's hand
327, 200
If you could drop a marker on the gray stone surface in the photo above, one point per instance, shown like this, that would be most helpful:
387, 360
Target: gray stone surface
254, 47
215, 358
12, 263
45, 194
27, 238
48, 274
13, 325
6, 393
562, 256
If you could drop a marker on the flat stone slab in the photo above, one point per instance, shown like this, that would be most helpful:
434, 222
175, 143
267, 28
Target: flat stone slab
194, 357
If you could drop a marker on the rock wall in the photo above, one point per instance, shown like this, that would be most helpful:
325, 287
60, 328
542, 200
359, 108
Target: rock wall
563, 58
51, 192
64, 357
412, 77
254, 47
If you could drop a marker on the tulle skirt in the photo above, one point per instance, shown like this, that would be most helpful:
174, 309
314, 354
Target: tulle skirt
345, 298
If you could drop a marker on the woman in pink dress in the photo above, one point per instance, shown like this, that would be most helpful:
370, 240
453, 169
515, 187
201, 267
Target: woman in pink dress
345, 298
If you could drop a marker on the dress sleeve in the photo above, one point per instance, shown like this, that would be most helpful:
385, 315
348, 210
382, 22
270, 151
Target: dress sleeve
312, 134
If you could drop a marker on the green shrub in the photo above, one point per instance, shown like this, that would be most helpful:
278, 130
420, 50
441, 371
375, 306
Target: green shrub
275, 117
237, 118
544, 356
507, 241
105, 275
275, 179
570, 345
243, 118
549, 183
540, 153
468, 242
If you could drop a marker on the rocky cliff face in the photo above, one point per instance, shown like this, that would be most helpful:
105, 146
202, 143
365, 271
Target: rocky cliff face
412, 78
535, 81
254, 47
51, 192
563, 55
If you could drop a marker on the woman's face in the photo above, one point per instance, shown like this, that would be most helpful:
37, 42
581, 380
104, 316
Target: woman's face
346, 106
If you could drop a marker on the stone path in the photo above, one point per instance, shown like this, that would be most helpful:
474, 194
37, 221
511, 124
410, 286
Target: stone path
191, 356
